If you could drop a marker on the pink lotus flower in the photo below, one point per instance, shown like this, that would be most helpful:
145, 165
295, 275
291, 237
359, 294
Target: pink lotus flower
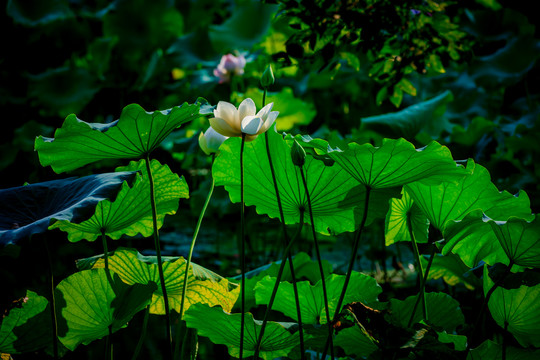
228, 66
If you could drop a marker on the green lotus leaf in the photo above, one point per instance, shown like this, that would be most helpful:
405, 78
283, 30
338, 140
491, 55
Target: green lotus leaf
443, 311
223, 328
203, 287
477, 237
452, 201
490, 350
427, 116
27, 327
362, 288
396, 224
520, 240
519, 308
459, 341
395, 163
452, 270
28, 210
131, 212
304, 268
354, 341
135, 134
88, 303
335, 196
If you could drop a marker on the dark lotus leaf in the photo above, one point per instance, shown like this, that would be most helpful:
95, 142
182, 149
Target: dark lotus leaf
27, 210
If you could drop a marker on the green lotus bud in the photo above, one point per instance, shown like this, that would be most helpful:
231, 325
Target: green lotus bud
268, 78
298, 154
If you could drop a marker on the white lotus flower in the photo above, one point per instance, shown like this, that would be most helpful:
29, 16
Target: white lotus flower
210, 141
229, 121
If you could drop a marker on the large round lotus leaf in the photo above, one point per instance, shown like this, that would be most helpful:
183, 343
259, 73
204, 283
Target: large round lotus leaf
27, 327
27, 210
477, 237
442, 309
131, 212
395, 163
335, 196
453, 200
519, 308
88, 302
135, 134
397, 224
203, 287
224, 328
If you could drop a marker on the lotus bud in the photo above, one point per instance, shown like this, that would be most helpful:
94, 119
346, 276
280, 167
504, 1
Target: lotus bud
268, 78
298, 154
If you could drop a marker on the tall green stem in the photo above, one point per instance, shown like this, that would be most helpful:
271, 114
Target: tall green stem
242, 248
423, 286
275, 289
54, 321
143, 334
158, 254
108, 345
188, 263
108, 341
421, 294
319, 260
357, 237
288, 253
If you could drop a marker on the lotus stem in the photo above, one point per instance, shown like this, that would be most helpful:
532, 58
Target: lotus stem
504, 341
188, 263
486, 299
276, 286
351, 263
108, 345
422, 286
289, 256
54, 321
143, 334
158, 254
242, 249
416, 252
319, 260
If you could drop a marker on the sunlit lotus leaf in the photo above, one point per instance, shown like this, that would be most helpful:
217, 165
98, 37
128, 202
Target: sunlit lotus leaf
361, 288
477, 237
135, 134
224, 328
490, 350
203, 287
335, 196
452, 201
520, 240
87, 303
27, 210
27, 326
395, 163
396, 224
131, 212
519, 308
452, 270
442, 309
